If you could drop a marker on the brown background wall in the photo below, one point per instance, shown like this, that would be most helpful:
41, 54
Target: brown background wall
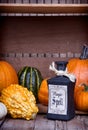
37, 41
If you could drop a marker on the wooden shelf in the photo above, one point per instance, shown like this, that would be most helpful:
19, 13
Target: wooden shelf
43, 8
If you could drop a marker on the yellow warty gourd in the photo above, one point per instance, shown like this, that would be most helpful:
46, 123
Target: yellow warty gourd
19, 101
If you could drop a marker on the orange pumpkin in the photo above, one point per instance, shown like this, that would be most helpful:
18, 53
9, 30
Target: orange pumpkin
79, 67
8, 75
43, 93
77, 89
81, 98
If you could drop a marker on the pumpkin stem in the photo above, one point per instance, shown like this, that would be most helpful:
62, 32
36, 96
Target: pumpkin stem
84, 54
85, 87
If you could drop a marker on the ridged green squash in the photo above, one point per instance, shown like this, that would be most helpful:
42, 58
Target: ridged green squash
30, 78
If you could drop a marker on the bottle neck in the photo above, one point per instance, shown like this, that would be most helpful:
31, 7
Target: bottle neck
61, 65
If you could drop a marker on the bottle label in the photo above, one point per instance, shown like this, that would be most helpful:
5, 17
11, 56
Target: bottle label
57, 99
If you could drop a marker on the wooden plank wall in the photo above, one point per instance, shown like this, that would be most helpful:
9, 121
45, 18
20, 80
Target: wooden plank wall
37, 41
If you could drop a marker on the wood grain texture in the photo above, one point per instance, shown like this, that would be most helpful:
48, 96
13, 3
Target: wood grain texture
44, 8
15, 124
42, 123
2, 121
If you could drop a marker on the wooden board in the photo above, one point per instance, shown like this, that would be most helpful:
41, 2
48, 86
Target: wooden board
42, 123
44, 8
17, 124
2, 121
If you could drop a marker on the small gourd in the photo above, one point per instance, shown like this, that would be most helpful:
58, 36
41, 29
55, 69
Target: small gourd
30, 78
3, 110
19, 101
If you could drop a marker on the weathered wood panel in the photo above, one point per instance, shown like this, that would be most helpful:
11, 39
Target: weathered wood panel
2, 121
17, 124
42, 123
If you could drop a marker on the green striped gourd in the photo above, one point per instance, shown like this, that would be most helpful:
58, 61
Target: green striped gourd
30, 78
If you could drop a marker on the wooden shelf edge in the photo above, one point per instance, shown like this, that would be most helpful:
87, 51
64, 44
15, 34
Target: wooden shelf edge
43, 8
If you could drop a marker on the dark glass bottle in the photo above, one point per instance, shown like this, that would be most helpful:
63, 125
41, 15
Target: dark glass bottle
61, 96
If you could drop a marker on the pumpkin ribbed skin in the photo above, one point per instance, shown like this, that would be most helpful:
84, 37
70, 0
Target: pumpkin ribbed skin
31, 78
43, 93
19, 101
81, 98
8, 75
79, 67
